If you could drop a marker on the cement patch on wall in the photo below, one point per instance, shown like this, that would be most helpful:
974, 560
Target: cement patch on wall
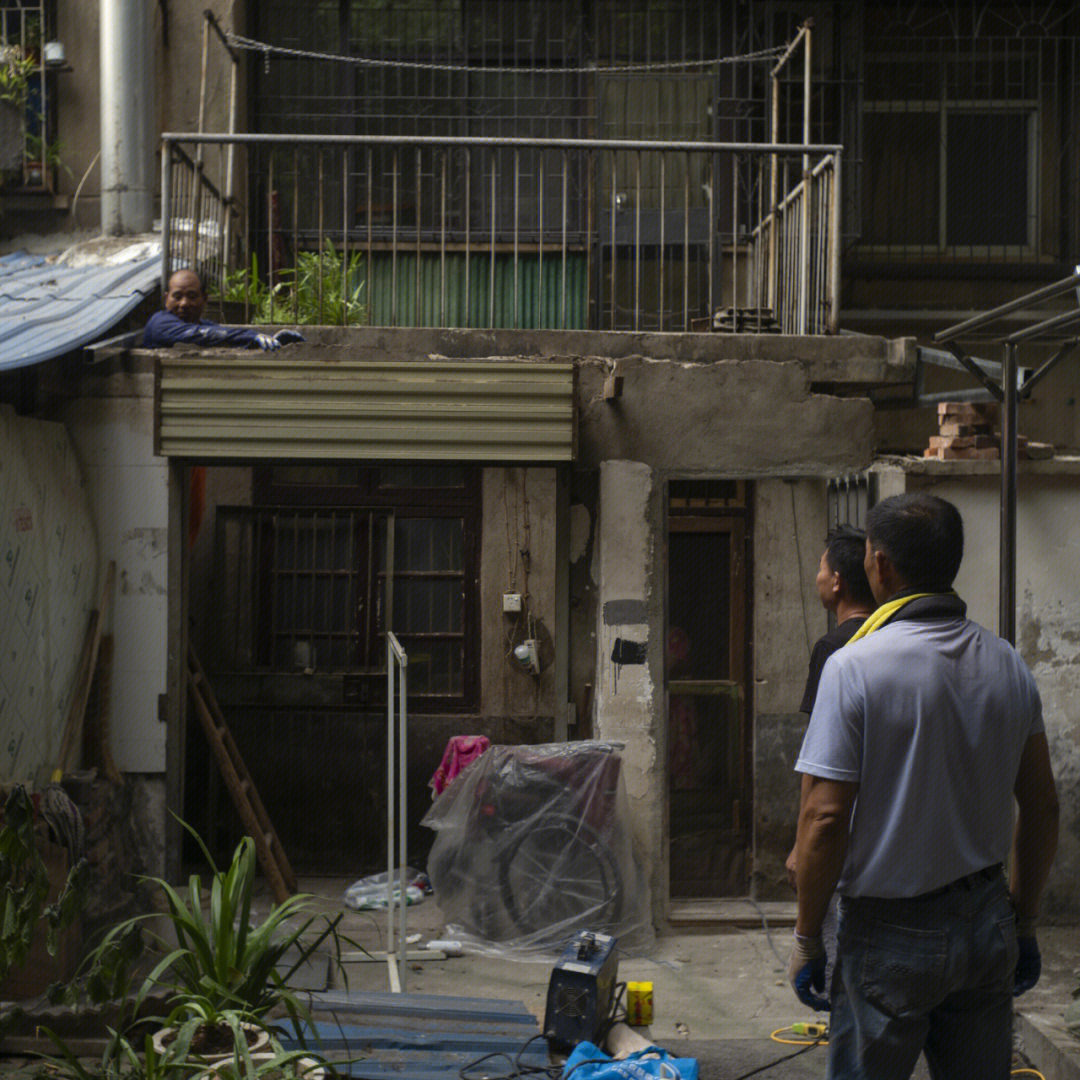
736, 418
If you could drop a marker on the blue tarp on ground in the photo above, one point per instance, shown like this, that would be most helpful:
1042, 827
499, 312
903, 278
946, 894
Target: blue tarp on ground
48, 308
373, 1036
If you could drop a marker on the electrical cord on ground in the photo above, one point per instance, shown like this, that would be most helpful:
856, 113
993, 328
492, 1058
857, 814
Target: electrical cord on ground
554, 1072
787, 1057
517, 1066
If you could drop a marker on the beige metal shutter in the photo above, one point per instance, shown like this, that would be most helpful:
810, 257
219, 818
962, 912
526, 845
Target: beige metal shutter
243, 408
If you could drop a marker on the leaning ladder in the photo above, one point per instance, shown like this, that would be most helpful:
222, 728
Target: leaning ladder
245, 797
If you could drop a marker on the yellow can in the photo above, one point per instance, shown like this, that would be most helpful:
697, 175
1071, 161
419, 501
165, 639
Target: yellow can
639, 1003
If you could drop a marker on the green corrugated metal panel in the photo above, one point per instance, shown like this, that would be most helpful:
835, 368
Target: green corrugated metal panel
430, 410
436, 296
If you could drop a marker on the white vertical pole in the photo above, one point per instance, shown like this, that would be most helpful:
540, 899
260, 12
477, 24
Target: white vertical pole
127, 142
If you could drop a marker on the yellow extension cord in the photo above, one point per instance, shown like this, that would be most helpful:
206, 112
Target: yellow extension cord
815, 1035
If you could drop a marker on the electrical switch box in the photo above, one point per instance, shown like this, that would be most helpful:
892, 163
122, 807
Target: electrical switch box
511, 602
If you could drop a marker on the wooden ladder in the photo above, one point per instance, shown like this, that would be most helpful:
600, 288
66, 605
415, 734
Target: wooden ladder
244, 795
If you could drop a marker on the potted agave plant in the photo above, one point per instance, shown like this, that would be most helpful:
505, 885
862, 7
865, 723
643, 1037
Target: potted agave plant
223, 977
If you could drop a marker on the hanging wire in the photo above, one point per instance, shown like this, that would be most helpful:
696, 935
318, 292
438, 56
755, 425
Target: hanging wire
238, 41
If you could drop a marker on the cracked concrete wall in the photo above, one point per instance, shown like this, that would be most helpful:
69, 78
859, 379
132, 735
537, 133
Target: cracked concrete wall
1048, 623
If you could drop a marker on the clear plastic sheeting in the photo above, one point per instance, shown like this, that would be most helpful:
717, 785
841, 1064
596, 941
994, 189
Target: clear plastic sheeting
533, 844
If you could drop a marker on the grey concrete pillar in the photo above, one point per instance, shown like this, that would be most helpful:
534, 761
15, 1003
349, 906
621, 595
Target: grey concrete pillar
127, 143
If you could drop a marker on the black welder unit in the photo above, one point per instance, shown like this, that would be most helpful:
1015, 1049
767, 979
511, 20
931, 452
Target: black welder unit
579, 994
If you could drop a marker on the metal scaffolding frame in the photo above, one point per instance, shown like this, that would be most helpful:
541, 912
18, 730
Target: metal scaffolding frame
1061, 328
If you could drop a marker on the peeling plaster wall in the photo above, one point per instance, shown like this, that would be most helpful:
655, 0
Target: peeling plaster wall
1048, 623
629, 694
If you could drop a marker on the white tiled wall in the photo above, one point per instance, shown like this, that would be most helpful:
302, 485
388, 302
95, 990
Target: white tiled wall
49, 564
128, 490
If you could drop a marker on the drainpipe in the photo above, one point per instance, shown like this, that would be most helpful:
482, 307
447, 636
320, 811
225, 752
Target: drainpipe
127, 152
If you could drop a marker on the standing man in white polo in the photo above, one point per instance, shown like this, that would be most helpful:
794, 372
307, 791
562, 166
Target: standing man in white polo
925, 760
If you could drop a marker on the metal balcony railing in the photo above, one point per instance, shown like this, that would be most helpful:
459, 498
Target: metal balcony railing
524, 233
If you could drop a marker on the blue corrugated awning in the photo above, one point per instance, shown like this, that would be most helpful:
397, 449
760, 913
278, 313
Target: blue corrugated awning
49, 308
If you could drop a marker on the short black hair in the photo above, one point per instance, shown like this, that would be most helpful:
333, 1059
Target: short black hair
923, 536
845, 550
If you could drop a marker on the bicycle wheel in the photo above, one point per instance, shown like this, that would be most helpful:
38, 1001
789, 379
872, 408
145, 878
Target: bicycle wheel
561, 874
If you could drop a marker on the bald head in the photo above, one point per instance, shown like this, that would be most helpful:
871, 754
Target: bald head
185, 297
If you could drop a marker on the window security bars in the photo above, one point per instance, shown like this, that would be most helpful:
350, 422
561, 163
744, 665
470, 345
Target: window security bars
528, 233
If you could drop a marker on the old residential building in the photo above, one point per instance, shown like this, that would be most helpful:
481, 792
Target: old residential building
567, 384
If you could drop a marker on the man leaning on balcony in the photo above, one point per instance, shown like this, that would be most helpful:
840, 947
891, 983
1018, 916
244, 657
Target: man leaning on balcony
181, 322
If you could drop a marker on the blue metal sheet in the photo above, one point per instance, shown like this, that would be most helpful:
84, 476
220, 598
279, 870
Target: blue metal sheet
48, 309
420, 1036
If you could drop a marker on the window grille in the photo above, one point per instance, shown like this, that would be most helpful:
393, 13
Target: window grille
314, 586
28, 145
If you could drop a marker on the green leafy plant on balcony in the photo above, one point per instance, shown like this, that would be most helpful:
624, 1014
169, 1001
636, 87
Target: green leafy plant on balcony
323, 288
15, 72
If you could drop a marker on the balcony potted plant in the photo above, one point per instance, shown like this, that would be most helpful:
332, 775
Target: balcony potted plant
15, 71
41, 162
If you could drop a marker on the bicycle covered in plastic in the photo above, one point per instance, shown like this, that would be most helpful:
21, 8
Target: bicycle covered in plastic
533, 844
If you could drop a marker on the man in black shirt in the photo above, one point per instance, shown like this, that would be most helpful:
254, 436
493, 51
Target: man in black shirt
843, 590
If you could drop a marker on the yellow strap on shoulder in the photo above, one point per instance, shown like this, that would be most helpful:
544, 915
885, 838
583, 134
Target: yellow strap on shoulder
884, 613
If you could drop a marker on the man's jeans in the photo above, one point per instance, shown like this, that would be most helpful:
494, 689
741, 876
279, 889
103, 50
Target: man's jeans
933, 973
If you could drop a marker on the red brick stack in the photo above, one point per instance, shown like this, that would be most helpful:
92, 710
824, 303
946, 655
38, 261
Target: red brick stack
966, 433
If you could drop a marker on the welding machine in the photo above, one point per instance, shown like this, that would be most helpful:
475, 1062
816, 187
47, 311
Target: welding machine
580, 991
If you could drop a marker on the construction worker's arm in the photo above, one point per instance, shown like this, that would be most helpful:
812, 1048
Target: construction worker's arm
820, 847
1036, 836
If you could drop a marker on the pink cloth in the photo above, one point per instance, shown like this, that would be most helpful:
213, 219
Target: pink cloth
461, 750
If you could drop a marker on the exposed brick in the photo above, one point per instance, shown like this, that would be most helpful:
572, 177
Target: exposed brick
963, 442
967, 412
952, 428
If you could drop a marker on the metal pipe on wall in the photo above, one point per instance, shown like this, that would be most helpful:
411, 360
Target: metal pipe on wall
1007, 552
127, 142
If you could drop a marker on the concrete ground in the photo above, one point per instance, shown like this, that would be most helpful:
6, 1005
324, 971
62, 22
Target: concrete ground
719, 990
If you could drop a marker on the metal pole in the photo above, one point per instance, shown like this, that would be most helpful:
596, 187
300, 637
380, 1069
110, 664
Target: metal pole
127, 144
403, 809
834, 247
806, 97
390, 773
1009, 412
166, 213
770, 294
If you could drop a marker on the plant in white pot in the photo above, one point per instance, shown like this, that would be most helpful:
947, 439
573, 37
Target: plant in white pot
196, 1028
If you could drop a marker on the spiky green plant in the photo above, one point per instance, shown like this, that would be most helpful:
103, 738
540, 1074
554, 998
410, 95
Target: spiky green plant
220, 960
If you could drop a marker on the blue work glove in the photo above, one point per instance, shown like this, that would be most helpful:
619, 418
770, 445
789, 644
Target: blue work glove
267, 343
288, 337
806, 972
1028, 965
